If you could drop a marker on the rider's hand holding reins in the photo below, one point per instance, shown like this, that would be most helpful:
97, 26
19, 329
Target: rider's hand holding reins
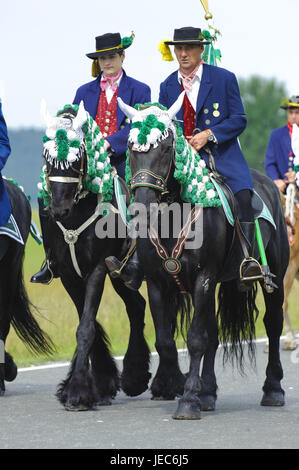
198, 141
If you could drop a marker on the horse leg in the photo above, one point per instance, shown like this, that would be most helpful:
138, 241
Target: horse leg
135, 375
80, 391
169, 380
273, 320
189, 405
208, 394
290, 341
8, 369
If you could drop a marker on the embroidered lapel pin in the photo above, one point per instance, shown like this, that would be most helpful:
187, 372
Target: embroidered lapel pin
216, 113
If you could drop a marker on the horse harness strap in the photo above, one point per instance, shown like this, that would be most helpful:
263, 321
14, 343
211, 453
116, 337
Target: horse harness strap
172, 264
149, 179
71, 236
63, 179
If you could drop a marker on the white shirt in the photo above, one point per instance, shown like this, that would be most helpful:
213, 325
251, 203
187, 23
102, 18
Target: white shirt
192, 95
108, 90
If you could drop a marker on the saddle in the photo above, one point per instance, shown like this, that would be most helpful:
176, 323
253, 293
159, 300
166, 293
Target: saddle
237, 248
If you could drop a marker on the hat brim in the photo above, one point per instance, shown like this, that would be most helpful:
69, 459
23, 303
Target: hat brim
194, 42
95, 55
290, 106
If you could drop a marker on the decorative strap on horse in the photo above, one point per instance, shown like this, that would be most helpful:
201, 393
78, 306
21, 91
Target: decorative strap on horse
71, 236
149, 179
172, 264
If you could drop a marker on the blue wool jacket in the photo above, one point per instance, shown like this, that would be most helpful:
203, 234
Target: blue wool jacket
132, 92
218, 87
5, 209
277, 153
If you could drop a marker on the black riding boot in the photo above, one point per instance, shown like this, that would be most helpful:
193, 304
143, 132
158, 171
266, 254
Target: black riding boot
129, 270
48, 270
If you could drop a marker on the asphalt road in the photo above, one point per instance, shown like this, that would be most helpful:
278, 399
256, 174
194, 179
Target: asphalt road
32, 418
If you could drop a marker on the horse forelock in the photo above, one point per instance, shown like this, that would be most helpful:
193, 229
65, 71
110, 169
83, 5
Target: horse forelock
150, 126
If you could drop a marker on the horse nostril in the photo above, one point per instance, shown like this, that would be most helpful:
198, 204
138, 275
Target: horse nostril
58, 213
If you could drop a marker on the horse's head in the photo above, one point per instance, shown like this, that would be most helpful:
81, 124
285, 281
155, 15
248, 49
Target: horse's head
151, 146
158, 150
75, 159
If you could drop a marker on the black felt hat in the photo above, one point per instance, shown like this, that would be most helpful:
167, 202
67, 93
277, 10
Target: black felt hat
292, 103
110, 43
187, 35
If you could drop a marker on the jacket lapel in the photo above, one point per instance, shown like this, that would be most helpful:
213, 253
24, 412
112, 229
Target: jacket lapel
125, 93
287, 144
173, 91
92, 97
205, 88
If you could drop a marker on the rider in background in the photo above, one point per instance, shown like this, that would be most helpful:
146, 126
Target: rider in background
279, 160
100, 100
5, 209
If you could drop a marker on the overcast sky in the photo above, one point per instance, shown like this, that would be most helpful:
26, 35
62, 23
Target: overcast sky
44, 42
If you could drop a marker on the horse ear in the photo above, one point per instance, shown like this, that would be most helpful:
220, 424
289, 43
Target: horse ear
49, 121
174, 109
126, 109
81, 117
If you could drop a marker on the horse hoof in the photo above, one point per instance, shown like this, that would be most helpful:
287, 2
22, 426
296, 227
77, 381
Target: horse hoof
187, 410
105, 401
290, 346
273, 399
80, 407
11, 373
163, 398
207, 402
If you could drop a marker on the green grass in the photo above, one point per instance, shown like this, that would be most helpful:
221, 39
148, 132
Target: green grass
58, 316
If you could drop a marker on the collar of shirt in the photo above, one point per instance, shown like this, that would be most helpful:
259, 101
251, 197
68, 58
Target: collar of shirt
108, 90
192, 95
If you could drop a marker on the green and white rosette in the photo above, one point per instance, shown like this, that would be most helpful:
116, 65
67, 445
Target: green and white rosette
153, 124
64, 143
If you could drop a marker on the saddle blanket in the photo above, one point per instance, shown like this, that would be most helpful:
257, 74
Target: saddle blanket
264, 213
12, 230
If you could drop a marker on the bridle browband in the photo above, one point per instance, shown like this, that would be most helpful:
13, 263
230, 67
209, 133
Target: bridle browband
149, 179
70, 179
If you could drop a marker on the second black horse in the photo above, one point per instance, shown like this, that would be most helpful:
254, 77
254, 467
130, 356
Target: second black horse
158, 161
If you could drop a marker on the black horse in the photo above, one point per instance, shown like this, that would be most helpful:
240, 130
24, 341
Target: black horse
15, 307
93, 378
152, 165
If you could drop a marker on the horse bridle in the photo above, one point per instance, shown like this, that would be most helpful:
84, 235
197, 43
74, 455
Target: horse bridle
69, 179
149, 179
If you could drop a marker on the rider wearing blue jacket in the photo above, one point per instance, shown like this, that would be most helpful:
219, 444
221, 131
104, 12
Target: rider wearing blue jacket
5, 209
100, 100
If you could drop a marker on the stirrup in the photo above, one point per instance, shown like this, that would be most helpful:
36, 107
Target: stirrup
269, 285
254, 277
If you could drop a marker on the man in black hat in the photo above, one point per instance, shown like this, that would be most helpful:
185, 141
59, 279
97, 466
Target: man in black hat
100, 100
212, 114
279, 159
100, 95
